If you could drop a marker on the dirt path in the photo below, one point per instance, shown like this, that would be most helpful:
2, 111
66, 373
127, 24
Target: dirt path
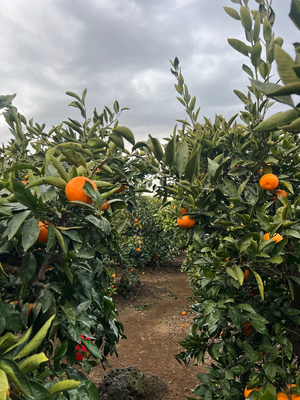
152, 319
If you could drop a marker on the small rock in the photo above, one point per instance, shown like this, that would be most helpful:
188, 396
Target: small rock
131, 384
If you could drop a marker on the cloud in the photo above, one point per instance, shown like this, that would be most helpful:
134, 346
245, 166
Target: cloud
120, 50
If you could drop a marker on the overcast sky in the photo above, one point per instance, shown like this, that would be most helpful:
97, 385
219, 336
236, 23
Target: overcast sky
120, 50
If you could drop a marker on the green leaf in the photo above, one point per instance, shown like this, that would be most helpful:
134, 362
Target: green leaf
117, 139
294, 14
242, 187
182, 156
246, 18
28, 268
263, 221
4, 386
236, 273
62, 386
126, 133
192, 167
156, 147
248, 70
36, 341
256, 29
6, 100
212, 168
276, 259
255, 55
32, 363
75, 157
259, 283
245, 307
270, 370
14, 374
170, 152
60, 240
232, 13
93, 349
277, 120
285, 65
30, 232
23, 194
69, 311
72, 94
15, 223
21, 167
267, 395
239, 46
267, 30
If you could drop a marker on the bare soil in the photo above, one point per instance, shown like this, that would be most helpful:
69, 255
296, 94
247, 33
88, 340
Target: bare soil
152, 322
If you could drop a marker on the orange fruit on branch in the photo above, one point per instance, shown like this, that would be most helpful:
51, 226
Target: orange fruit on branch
121, 188
248, 391
276, 237
269, 182
74, 189
247, 328
186, 222
43, 234
105, 206
30, 309
280, 192
246, 274
183, 211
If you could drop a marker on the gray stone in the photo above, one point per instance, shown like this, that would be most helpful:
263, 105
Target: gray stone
131, 384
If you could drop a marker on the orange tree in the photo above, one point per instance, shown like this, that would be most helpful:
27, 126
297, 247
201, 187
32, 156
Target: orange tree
148, 238
244, 260
56, 239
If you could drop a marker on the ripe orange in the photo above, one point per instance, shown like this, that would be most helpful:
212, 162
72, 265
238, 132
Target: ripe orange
136, 220
143, 273
183, 313
182, 325
266, 236
105, 207
43, 235
186, 222
280, 192
8, 392
113, 275
183, 211
246, 274
138, 237
276, 238
247, 328
139, 242
122, 188
269, 182
227, 259
138, 249
282, 396
158, 256
30, 309
74, 191
248, 391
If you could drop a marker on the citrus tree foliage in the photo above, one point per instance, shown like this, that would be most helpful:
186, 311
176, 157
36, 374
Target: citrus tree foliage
246, 283
18, 366
66, 274
149, 237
